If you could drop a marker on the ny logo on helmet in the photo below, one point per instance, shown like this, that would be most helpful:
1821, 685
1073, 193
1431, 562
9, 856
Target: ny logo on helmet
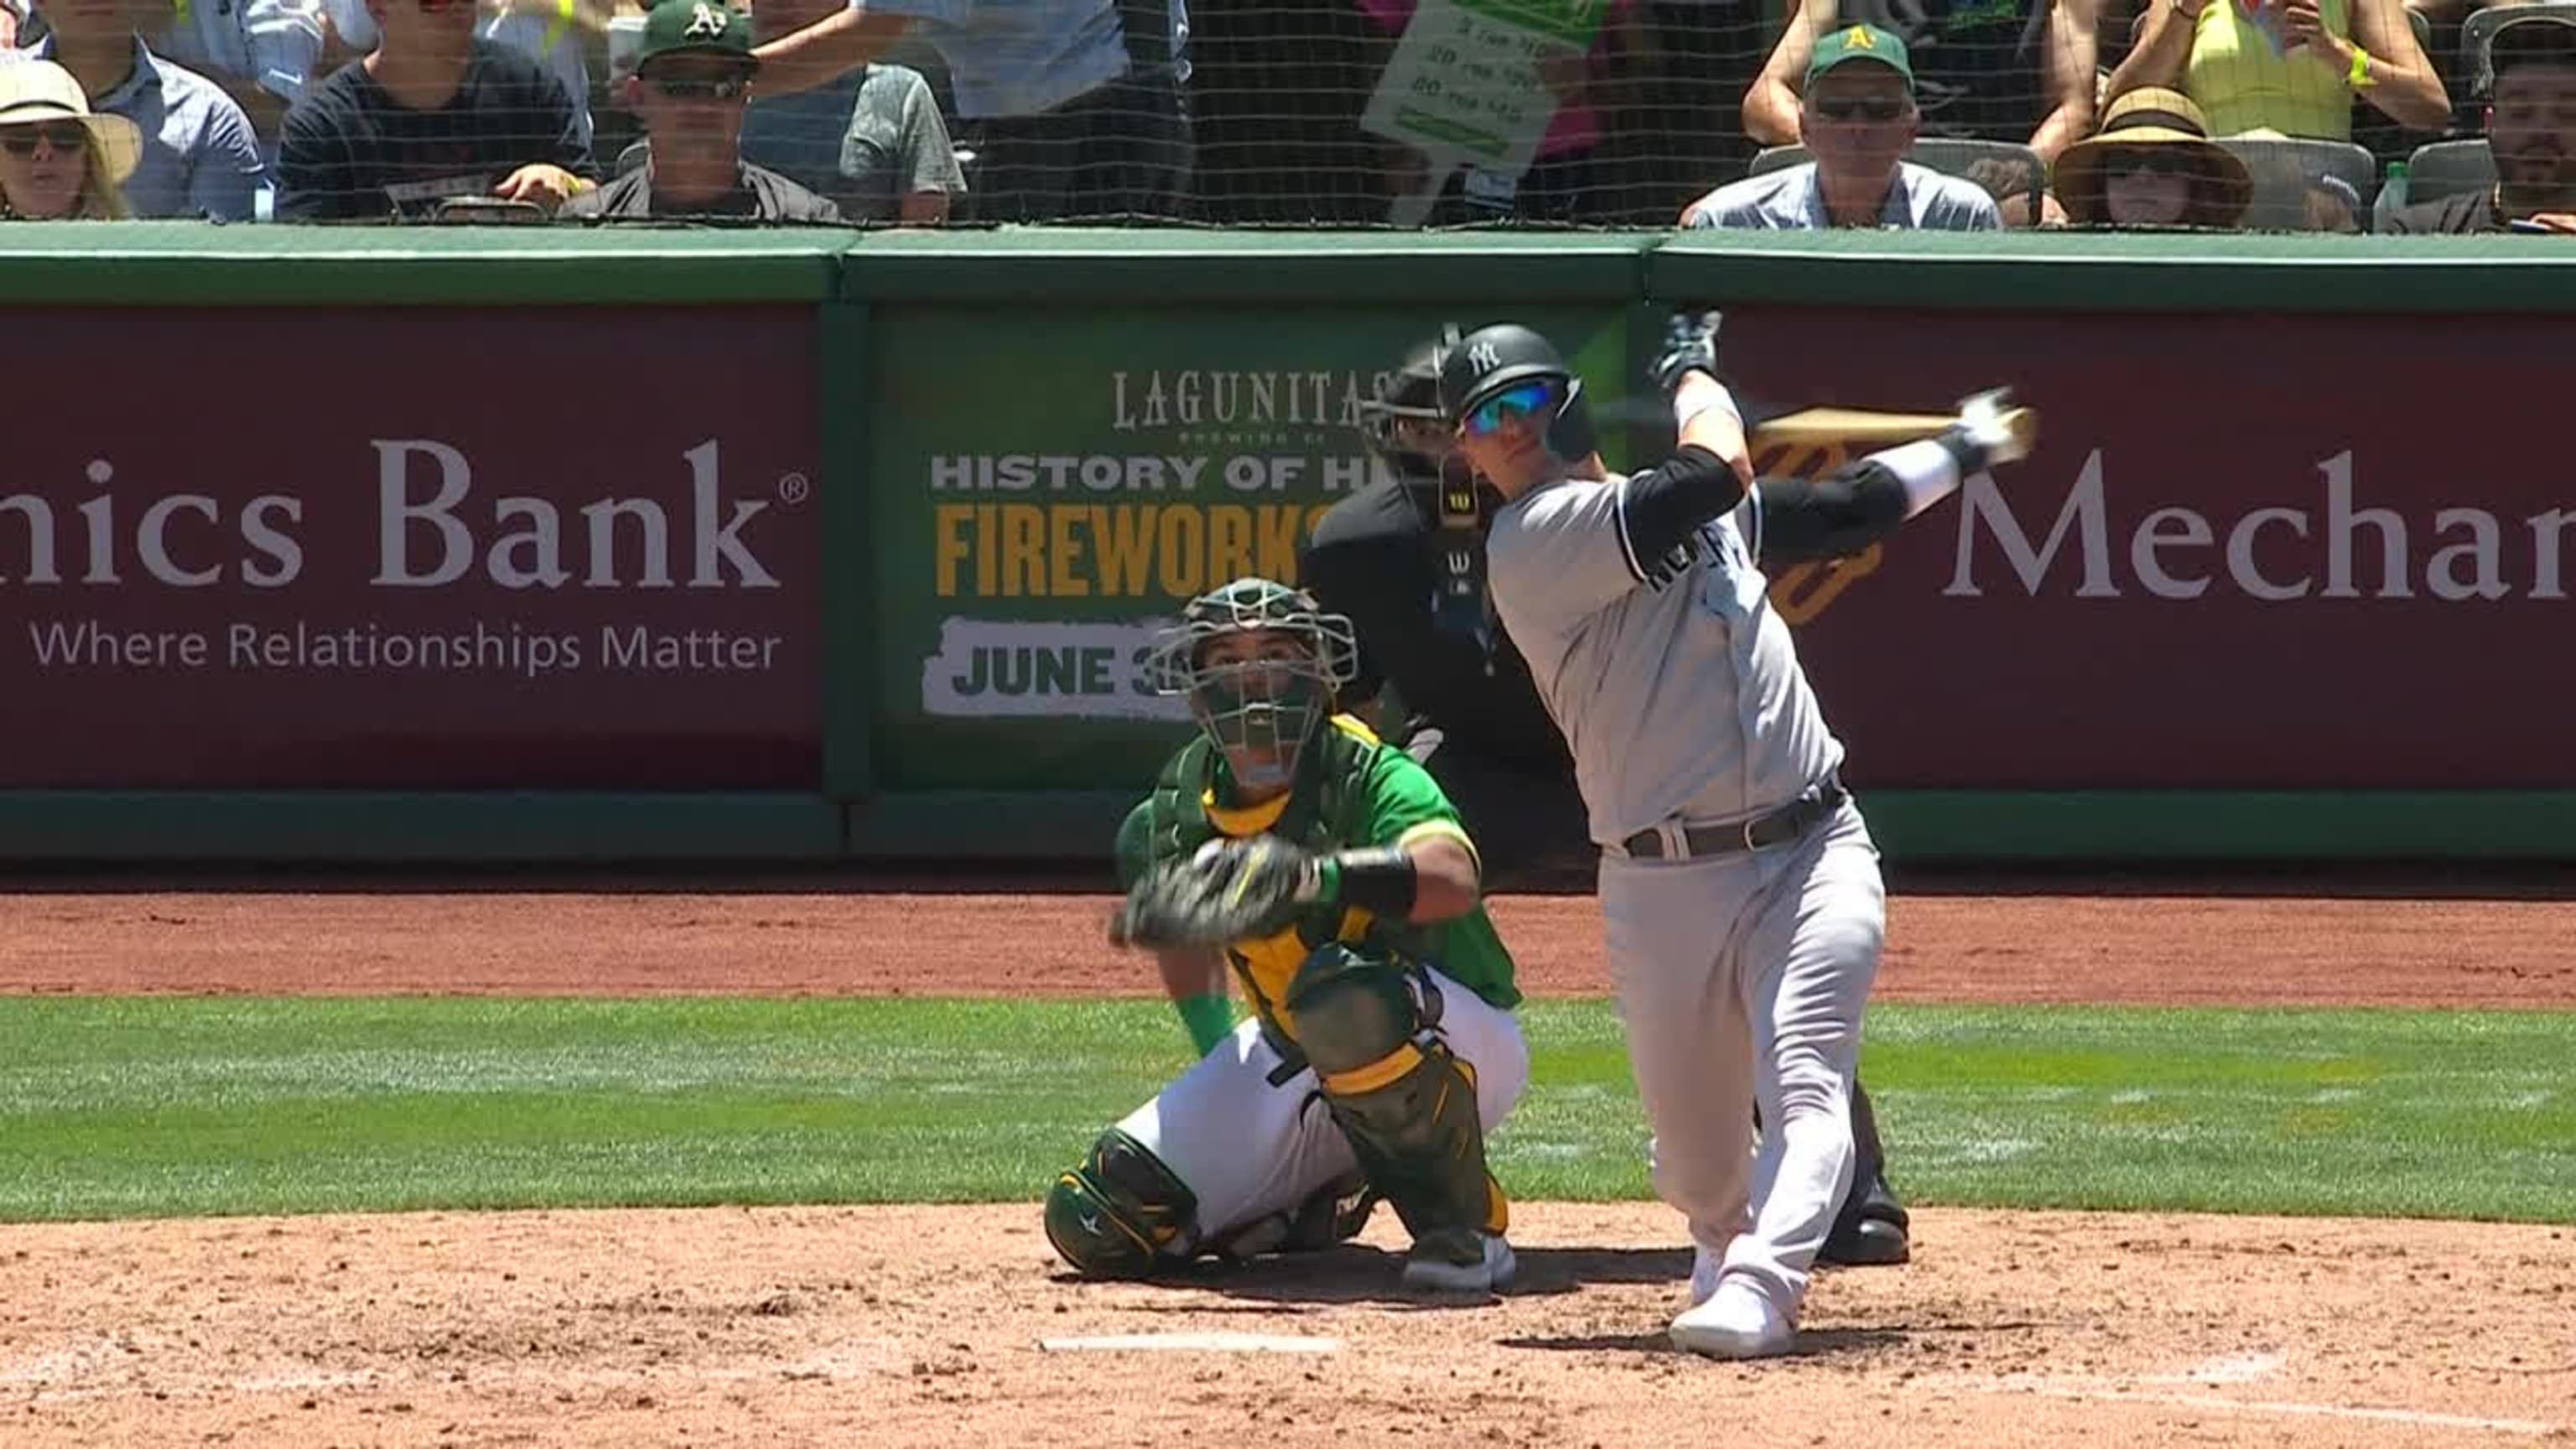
706, 22
1483, 357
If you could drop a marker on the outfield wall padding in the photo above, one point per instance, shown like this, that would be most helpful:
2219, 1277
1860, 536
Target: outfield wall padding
494, 544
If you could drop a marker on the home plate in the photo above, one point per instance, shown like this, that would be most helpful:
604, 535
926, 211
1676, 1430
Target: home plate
1195, 1343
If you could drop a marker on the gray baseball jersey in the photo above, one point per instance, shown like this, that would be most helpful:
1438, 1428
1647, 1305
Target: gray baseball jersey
1675, 682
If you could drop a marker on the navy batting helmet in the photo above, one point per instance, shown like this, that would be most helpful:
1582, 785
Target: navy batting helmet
1492, 360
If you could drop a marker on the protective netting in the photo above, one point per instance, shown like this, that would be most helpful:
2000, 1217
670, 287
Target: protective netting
2245, 114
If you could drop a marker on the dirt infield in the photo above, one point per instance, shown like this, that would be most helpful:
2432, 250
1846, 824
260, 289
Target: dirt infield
2257, 951
940, 1326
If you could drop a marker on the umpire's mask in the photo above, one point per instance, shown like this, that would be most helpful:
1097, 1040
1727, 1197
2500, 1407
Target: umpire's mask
1402, 425
1260, 663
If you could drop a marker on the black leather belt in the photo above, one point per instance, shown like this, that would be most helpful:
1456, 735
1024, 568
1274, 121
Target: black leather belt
1761, 832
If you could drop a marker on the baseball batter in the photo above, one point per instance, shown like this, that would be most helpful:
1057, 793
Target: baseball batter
1740, 893
1404, 560
1285, 845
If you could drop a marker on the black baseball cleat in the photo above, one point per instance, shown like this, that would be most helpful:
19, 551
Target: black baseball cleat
1872, 1232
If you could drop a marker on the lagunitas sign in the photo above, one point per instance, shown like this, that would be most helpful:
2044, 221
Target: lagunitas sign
465, 554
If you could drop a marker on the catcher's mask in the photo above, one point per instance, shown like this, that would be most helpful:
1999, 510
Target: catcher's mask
1402, 424
1260, 663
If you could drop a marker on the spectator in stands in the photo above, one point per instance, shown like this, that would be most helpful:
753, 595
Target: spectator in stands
430, 114
200, 158
1858, 119
1075, 107
1276, 95
58, 159
2531, 128
262, 52
554, 33
693, 79
1692, 49
1986, 70
12, 21
2153, 164
871, 139
2291, 66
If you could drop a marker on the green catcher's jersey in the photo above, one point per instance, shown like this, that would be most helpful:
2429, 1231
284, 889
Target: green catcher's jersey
1352, 792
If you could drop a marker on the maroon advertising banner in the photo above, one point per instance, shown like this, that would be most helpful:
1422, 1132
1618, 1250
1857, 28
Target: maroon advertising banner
2252, 552
528, 548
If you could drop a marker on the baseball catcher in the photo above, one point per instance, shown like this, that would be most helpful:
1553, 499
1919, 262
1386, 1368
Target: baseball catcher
1286, 847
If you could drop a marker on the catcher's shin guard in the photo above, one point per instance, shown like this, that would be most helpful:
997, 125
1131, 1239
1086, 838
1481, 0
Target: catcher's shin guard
1407, 1106
1121, 1213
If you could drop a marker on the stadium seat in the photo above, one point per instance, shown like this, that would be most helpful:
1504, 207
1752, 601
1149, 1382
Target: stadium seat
2477, 35
2447, 168
2284, 169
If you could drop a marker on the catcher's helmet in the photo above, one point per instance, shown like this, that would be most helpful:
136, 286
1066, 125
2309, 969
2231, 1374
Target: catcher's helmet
1490, 359
1261, 711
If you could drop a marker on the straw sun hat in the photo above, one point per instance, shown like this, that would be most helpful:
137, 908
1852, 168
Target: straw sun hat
39, 90
2158, 118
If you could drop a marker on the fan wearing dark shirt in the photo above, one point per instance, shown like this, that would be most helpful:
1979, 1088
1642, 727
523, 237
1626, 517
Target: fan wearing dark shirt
431, 115
691, 88
2531, 129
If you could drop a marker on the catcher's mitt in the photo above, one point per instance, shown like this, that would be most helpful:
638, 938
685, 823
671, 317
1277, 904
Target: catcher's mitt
1231, 890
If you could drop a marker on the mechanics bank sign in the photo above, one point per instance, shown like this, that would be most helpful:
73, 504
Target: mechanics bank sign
421, 609
2267, 546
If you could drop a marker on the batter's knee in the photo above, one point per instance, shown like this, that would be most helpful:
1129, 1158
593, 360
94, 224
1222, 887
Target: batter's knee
1121, 1212
1352, 1010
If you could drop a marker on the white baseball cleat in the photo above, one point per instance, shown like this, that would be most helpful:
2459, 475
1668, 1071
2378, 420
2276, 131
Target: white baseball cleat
1735, 1322
1438, 1268
1703, 1279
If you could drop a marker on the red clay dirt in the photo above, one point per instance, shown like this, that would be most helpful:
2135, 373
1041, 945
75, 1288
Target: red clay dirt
933, 1325
2252, 951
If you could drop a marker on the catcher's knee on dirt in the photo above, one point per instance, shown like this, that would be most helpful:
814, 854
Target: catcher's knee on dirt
1331, 1215
1121, 1213
1407, 1106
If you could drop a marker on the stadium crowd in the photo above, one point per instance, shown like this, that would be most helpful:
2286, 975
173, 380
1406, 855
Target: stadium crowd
2261, 115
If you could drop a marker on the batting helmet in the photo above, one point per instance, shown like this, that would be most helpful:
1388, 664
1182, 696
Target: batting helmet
1261, 711
1491, 360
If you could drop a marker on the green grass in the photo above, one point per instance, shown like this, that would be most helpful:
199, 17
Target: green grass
157, 1106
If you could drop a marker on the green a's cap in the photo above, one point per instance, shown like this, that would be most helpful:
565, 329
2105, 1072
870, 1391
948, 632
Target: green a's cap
695, 27
1860, 42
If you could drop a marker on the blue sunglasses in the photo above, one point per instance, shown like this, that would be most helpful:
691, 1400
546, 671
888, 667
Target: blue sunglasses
1526, 400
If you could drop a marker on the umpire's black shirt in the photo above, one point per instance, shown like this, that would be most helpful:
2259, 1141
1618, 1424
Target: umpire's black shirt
1372, 558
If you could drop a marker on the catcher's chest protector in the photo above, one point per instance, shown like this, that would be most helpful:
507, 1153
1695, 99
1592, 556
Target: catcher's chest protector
1328, 810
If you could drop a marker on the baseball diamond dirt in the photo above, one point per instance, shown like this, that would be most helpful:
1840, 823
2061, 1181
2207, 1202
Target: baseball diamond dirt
954, 1325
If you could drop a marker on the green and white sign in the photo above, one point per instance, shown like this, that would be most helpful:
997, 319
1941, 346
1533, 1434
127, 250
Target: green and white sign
1465, 85
1028, 545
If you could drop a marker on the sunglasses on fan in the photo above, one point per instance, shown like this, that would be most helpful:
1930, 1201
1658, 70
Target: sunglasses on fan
699, 88
2148, 161
1861, 108
60, 135
1512, 404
